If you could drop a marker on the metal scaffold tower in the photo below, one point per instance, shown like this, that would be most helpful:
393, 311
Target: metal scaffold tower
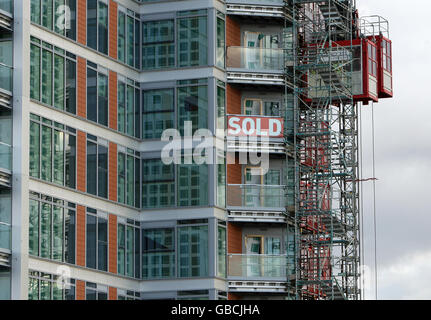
324, 139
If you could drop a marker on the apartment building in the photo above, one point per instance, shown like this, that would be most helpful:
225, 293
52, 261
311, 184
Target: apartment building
90, 210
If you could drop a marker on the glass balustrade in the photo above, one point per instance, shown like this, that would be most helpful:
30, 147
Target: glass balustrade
255, 59
256, 196
258, 266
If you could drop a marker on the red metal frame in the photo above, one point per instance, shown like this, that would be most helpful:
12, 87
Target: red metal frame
370, 66
384, 49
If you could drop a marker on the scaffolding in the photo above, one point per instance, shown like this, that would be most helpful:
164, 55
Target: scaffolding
324, 168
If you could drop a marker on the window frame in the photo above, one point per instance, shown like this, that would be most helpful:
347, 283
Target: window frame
100, 72
65, 205
97, 215
99, 142
54, 126
67, 58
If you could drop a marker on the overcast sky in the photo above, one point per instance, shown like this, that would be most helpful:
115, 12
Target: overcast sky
403, 158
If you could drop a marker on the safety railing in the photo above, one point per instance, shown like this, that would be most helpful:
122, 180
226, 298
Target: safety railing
256, 196
255, 59
258, 266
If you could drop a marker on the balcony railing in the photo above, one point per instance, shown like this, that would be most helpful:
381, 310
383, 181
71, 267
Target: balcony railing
6, 73
256, 196
255, 59
259, 266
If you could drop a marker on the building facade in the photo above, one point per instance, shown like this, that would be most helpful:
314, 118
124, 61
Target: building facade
90, 209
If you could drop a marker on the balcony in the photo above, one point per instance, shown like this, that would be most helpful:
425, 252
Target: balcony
256, 203
259, 8
259, 273
255, 66
6, 13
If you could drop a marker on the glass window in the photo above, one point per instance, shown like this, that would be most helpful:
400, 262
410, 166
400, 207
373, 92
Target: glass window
51, 228
121, 251
102, 21
71, 23
34, 149
6, 139
91, 239
34, 72
53, 76
129, 178
221, 251
97, 25
221, 106
192, 41
192, 185
70, 157
47, 11
45, 230
70, 86
102, 244
47, 77
92, 167
57, 233
128, 249
5, 282
193, 251
102, 91
34, 228
52, 153
56, 15
221, 181
92, 24
121, 53
221, 43
92, 94
5, 219
33, 289
121, 177
102, 171
46, 167
35, 11
158, 253
69, 235
58, 157
128, 37
158, 112
97, 96
128, 108
121, 106
130, 40
158, 184
158, 49
193, 106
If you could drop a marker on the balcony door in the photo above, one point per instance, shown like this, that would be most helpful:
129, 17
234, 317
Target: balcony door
253, 192
258, 107
263, 256
261, 190
260, 58
254, 248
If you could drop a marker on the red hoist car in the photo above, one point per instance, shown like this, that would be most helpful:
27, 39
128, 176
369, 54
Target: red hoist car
372, 69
